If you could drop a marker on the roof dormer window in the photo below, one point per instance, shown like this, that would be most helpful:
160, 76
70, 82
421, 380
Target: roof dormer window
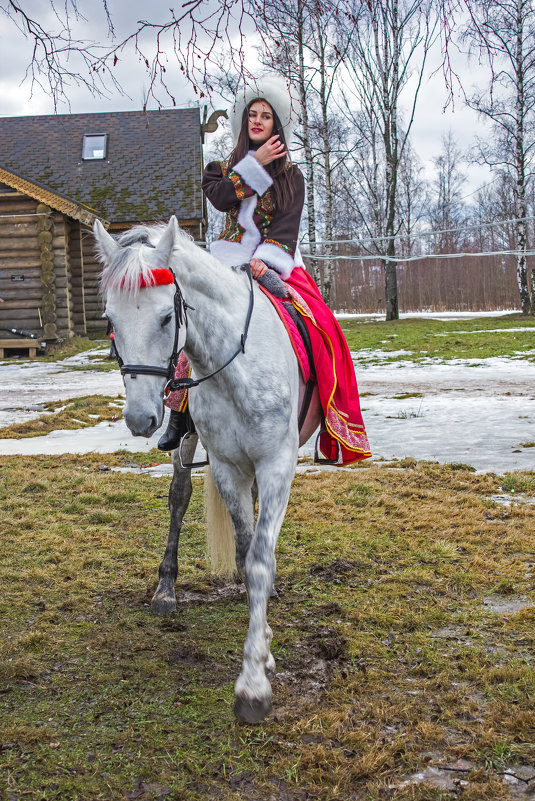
94, 147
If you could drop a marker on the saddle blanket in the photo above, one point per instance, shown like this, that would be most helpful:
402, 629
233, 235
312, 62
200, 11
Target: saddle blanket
291, 329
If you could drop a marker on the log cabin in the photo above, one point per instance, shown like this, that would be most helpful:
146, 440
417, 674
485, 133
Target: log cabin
58, 173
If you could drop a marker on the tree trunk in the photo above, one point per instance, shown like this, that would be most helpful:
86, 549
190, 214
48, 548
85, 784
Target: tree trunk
526, 300
390, 139
327, 263
309, 164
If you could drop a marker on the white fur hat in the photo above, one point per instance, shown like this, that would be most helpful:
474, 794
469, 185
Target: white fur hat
279, 94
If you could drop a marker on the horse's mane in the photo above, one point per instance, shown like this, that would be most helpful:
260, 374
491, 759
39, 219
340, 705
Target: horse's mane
134, 260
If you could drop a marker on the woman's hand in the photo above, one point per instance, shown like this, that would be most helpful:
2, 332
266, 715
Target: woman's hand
258, 268
270, 150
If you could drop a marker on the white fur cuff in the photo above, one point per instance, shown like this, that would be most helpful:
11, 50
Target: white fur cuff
276, 258
253, 174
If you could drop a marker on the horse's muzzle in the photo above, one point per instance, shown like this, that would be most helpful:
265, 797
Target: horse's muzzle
141, 424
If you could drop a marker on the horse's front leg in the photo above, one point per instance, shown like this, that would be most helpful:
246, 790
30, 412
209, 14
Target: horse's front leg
164, 599
252, 689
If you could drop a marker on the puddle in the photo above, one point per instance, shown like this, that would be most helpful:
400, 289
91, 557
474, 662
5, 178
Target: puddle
443, 778
499, 605
520, 779
452, 633
507, 500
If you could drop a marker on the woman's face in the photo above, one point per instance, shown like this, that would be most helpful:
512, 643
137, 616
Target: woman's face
260, 125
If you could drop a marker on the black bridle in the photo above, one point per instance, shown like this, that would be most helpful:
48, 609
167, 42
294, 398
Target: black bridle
181, 318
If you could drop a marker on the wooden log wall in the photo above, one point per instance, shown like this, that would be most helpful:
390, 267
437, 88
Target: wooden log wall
35, 280
62, 270
76, 257
48, 272
20, 263
94, 307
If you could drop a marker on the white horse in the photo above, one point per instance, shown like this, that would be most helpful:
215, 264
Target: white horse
245, 414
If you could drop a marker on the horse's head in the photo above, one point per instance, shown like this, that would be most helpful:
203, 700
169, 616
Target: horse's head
140, 304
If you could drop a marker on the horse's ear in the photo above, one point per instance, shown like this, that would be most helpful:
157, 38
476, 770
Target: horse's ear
165, 246
106, 244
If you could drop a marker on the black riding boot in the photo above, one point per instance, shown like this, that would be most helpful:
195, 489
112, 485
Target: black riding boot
179, 424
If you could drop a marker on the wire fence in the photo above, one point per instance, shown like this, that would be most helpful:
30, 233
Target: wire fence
485, 281
473, 280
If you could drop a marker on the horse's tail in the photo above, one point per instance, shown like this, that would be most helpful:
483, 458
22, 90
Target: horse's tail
219, 530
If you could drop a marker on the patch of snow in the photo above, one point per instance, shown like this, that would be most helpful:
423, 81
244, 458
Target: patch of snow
88, 356
477, 415
508, 500
477, 412
164, 470
367, 354
25, 385
103, 438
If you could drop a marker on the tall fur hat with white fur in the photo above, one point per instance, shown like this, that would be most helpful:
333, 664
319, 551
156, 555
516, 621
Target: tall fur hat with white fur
279, 94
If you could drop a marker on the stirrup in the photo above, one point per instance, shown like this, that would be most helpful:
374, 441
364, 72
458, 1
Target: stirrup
186, 465
321, 459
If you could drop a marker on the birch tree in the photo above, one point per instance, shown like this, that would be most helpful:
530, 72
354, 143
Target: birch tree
413, 200
447, 212
506, 31
286, 24
389, 45
298, 41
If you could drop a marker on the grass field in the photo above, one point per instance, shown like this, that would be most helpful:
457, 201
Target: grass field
403, 634
68, 415
403, 637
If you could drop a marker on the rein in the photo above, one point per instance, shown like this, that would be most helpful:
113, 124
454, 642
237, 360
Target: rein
181, 318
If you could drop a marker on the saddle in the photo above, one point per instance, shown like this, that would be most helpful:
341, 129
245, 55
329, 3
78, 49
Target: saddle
282, 296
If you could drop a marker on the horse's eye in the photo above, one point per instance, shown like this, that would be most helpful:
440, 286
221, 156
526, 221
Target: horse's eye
167, 319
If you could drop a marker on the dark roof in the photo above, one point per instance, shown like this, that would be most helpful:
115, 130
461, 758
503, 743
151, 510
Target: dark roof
153, 166
13, 182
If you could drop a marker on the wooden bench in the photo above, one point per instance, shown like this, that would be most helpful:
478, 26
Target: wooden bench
17, 344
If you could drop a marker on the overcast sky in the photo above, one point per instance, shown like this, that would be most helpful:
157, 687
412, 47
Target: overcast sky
432, 119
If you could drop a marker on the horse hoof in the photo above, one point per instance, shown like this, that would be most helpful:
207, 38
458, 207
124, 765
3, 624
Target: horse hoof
163, 606
252, 711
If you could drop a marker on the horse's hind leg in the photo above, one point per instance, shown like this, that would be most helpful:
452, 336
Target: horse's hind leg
164, 599
236, 491
253, 690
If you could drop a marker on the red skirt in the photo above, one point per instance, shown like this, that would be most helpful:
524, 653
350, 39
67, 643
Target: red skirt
344, 439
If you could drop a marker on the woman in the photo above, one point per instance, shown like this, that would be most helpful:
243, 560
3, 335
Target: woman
262, 193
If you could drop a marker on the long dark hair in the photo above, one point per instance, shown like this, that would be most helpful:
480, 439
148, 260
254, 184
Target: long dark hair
280, 169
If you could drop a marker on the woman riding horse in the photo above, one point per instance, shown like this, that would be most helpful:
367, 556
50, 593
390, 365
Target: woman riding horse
262, 193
